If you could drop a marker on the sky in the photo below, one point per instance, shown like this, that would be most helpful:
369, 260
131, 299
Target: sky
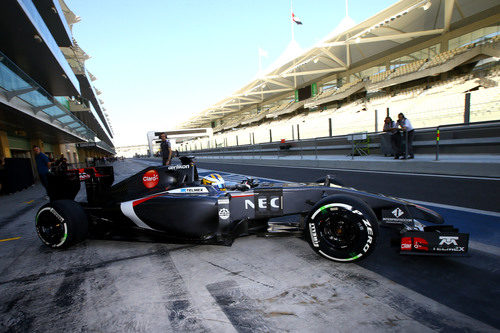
158, 62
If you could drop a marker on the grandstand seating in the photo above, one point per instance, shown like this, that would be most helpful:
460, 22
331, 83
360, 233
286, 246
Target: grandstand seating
379, 77
443, 57
279, 109
408, 68
346, 86
426, 105
325, 93
442, 103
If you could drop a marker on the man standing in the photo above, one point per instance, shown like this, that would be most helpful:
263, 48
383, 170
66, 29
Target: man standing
42, 165
166, 150
408, 132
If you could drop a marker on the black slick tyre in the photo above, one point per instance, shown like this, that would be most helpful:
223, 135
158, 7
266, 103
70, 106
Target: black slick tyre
342, 228
61, 223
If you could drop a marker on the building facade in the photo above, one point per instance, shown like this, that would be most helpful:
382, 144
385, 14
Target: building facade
47, 97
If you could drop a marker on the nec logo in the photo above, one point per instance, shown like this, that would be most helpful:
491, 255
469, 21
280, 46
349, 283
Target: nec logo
264, 203
448, 240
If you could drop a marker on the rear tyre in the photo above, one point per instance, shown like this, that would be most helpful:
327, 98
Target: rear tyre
61, 223
342, 228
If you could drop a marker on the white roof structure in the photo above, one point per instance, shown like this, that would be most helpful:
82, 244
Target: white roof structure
350, 45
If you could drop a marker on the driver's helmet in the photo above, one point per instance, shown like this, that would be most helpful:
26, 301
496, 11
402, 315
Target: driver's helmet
215, 180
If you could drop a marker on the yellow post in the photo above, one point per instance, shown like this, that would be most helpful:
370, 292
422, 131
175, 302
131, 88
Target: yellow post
4, 145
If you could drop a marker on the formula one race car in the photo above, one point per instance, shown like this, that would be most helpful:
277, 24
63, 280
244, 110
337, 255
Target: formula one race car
340, 223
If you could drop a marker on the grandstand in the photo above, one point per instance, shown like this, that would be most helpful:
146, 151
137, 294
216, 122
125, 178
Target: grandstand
418, 57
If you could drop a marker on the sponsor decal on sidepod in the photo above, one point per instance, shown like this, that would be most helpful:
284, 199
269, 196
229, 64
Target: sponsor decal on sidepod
151, 178
224, 213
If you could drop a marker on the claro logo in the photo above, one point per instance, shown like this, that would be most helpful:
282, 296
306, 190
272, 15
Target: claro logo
151, 178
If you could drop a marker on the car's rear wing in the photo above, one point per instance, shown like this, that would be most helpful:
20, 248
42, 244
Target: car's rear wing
66, 184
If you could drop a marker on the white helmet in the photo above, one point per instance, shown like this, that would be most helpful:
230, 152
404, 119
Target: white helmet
215, 180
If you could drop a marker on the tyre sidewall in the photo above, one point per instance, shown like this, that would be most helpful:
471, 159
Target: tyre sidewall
369, 234
72, 217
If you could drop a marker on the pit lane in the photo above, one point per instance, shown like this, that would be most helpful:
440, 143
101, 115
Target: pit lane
258, 284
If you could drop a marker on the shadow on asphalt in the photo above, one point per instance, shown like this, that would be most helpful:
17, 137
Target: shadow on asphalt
465, 284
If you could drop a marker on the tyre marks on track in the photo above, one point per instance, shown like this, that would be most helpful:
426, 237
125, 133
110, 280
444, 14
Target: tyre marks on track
427, 311
82, 268
42, 302
15, 315
69, 291
181, 313
241, 310
239, 274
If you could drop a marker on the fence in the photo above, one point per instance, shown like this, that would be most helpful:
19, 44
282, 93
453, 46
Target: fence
480, 137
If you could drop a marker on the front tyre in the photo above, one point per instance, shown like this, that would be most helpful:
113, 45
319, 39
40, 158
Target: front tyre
61, 223
342, 228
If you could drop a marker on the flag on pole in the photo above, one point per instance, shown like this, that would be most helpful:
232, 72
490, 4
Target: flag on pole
296, 19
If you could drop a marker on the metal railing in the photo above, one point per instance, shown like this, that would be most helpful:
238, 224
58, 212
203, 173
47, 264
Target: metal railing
316, 147
462, 126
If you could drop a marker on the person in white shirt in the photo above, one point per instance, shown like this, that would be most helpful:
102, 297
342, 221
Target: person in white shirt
408, 130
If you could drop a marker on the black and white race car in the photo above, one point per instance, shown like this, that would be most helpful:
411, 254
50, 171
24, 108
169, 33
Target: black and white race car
340, 223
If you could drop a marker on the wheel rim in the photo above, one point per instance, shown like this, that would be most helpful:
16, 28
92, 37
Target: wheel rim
339, 228
341, 233
51, 228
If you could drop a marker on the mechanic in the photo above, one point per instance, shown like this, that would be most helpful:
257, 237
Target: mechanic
166, 150
42, 165
60, 164
408, 130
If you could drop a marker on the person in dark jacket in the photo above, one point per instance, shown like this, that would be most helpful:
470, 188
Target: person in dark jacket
392, 132
42, 165
166, 150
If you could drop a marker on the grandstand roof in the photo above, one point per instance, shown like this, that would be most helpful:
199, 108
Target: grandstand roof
403, 24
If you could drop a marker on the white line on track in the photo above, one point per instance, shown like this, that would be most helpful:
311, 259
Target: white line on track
463, 209
491, 249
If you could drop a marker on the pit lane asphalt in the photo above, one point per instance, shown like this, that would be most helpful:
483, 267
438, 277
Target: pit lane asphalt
258, 284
